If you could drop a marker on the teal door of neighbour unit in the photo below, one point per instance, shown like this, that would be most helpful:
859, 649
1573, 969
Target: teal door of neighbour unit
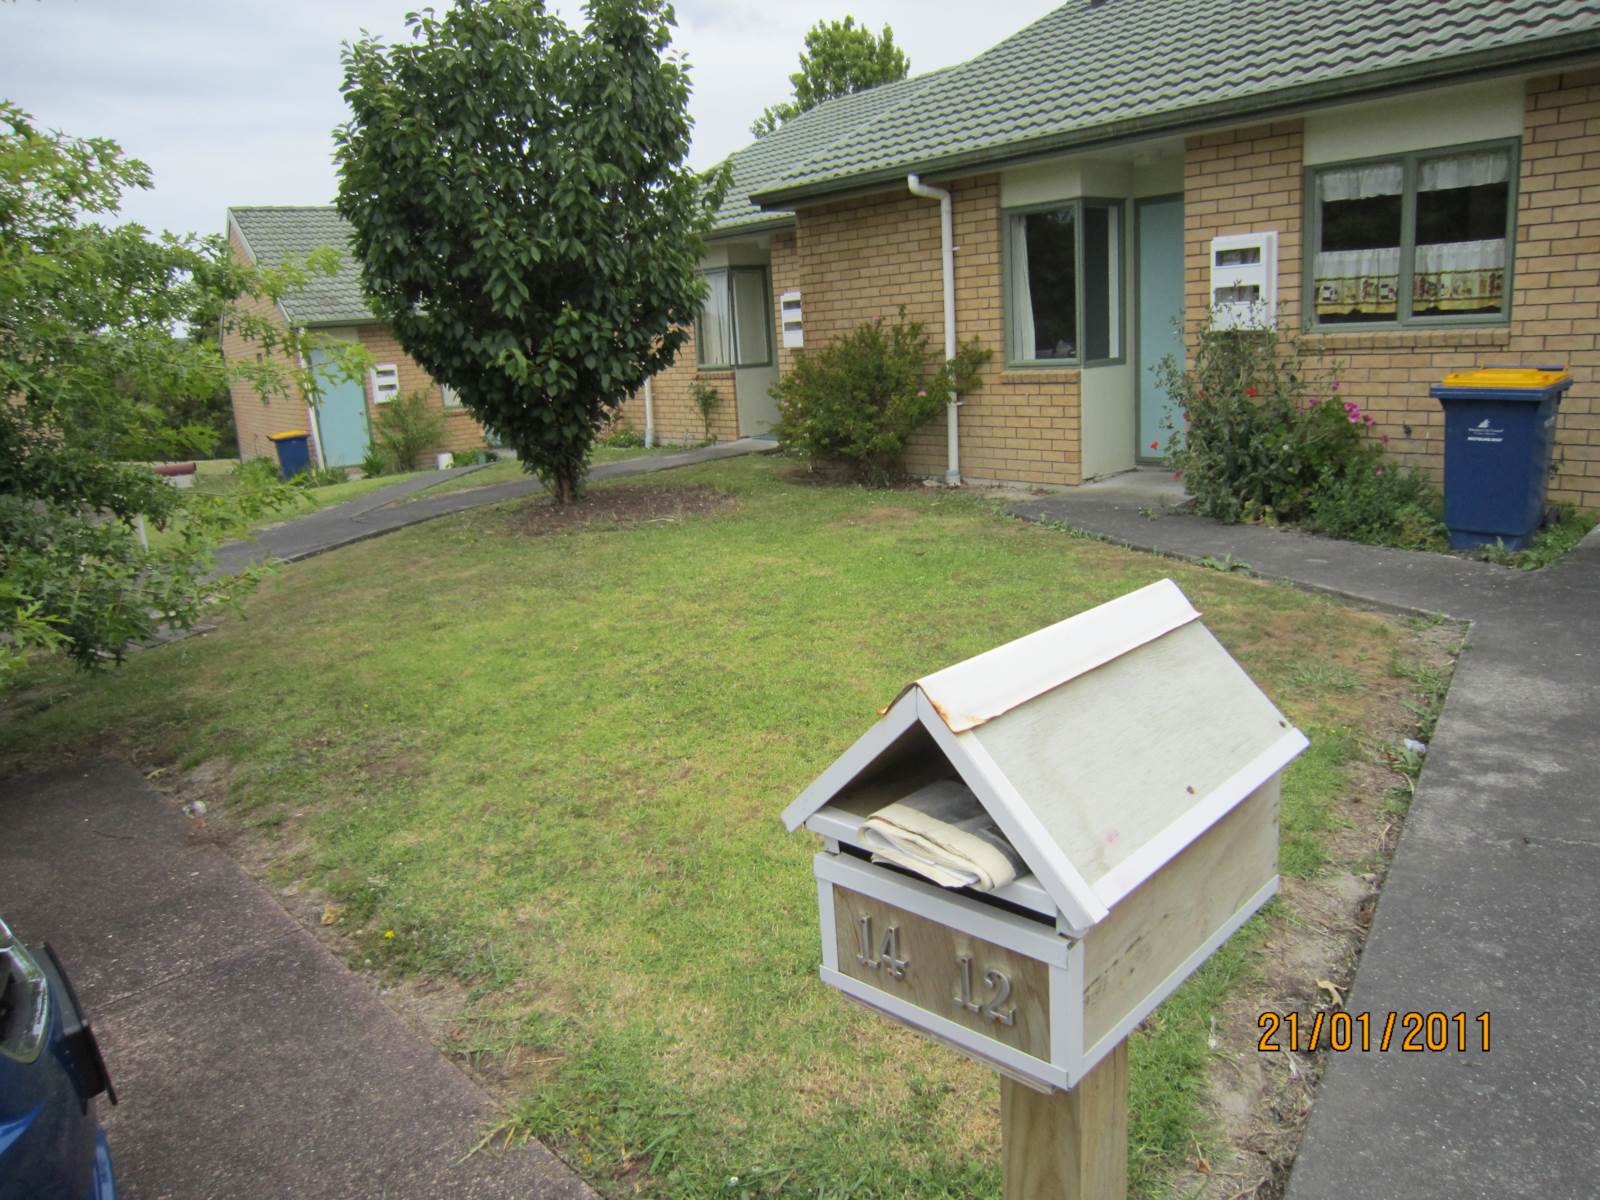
341, 417
1160, 298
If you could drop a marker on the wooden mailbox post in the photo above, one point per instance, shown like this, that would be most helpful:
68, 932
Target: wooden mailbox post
1134, 769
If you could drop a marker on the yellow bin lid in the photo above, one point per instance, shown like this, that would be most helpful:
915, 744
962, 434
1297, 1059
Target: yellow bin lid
1522, 378
287, 433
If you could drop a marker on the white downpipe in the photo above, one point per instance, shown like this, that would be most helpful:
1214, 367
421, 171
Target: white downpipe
947, 242
649, 417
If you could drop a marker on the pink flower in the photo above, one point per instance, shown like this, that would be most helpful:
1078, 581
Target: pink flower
1369, 420
1384, 439
1336, 385
1155, 445
1249, 391
922, 394
1353, 419
1314, 401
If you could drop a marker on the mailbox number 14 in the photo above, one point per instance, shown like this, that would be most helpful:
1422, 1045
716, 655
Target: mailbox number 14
888, 955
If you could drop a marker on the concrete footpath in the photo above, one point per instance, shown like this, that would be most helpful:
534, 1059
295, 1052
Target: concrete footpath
1493, 901
248, 1061
378, 512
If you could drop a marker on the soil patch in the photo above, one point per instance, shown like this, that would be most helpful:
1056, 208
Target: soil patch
618, 507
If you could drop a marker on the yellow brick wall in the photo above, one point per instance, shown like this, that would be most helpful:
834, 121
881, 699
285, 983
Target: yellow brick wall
863, 259
1252, 179
676, 417
253, 417
461, 431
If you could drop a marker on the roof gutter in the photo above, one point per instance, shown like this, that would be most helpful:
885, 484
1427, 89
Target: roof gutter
1546, 55
947, 246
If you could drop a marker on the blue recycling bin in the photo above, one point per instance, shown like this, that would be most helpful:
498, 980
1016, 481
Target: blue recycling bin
294, 452
1499, 442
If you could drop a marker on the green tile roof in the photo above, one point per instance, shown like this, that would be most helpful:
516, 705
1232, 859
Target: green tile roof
279, 235
1096, 71
763, 163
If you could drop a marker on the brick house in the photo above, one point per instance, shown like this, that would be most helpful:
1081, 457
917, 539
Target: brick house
341, 426
1416, 185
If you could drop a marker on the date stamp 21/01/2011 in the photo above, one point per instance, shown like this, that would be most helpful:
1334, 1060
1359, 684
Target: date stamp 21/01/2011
1407, 1032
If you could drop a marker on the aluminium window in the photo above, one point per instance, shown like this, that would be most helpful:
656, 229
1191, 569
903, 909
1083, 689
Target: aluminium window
735, 325
1063, 270
1413, 239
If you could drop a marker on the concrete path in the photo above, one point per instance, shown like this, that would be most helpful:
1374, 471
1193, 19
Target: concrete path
378, 513
248, 1061
1493, 901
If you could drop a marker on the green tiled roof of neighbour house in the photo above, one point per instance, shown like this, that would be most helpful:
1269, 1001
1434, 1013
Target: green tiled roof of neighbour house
1092, 71
282, 235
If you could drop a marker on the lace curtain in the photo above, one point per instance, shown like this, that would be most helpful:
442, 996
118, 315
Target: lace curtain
1464, 276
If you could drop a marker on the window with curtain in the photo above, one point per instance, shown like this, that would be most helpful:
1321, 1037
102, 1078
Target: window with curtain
1064, 283
735, 326
1418, 237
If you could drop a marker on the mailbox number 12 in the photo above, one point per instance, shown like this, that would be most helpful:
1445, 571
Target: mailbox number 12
999, 981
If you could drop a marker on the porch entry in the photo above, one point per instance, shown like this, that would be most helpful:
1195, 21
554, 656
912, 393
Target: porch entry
341, 417
1160, 300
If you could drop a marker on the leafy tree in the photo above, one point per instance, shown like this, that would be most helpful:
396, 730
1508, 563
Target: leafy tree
840, 59
522, 212
87, 319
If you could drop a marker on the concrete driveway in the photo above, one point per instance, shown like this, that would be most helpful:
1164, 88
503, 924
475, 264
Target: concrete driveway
249, 1062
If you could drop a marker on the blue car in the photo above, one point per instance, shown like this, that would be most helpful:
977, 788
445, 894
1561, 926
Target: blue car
51, 1145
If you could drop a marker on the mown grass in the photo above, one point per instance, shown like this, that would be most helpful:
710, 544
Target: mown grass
553, 768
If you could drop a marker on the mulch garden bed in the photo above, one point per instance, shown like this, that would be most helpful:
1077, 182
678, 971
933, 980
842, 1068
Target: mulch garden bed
619, 507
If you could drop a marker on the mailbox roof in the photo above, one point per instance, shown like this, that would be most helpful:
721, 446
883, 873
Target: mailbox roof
1101, 745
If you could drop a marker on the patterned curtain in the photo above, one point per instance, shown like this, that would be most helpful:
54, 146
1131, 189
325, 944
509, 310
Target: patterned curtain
1464, 276
1365, 281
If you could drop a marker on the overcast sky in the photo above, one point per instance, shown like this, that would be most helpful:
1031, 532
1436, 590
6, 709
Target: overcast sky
233, 101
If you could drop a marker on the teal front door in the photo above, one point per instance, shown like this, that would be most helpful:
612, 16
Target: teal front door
342, 416
1160, 298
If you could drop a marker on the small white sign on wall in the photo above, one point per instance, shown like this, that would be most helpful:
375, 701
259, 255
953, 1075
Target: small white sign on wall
1244, 280
790, 317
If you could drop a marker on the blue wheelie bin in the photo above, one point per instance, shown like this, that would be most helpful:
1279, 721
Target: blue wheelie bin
294, 452
1499, 441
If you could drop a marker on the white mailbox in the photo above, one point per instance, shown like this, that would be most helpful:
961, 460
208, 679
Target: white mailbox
1244, 280
1132, 769
792, 319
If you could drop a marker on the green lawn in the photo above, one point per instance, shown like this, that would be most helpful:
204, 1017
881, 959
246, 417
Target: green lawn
553, 768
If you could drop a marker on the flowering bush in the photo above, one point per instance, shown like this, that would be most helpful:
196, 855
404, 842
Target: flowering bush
1264, 426
857, 401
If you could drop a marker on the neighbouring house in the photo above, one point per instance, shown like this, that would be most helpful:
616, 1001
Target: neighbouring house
1415, 184
342, 425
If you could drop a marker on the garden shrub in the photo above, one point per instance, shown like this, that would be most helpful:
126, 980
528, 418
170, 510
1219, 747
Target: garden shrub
1381, 504
621, 436
1267, 437
856, 402
408, 427
706, 400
